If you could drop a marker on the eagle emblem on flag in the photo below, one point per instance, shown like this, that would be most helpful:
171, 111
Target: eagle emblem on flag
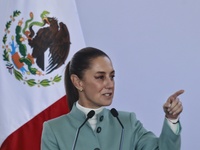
34, 48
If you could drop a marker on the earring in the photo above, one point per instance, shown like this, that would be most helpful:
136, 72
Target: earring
81, 90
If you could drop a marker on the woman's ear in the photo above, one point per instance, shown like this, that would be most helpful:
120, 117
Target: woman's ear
77, 82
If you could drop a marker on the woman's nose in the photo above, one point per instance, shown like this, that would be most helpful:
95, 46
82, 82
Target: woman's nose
109, 83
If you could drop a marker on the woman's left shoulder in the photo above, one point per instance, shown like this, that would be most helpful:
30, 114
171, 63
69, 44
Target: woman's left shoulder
126, 114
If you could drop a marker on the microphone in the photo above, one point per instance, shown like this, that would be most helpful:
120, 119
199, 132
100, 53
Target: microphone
115, 114
89, 115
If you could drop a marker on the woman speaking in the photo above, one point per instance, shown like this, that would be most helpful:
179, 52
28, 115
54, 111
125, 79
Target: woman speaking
90, 85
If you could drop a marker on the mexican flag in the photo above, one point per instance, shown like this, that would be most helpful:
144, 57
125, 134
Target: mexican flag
38, 38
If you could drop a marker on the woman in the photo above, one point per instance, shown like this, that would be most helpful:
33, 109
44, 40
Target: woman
89, 81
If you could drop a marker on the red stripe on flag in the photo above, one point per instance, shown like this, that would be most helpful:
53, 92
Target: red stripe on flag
28, 136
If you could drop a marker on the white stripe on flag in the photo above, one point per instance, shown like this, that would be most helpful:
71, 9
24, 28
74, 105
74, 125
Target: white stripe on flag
19, 101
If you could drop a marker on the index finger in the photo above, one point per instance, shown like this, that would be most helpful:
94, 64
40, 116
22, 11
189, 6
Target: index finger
176, 94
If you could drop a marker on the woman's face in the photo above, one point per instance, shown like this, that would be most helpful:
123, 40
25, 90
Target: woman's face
98, 84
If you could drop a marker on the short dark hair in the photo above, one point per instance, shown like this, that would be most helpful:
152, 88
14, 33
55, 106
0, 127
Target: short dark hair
80, 62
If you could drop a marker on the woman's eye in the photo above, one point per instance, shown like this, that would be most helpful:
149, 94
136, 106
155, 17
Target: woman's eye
112, 77
100, 77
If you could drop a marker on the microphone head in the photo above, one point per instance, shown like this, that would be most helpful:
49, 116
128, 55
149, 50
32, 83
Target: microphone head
114, 112
90, 114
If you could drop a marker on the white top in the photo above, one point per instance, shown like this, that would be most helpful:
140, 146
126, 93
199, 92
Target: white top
93, 120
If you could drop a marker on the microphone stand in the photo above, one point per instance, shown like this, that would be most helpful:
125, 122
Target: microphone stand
89, 115
115, 114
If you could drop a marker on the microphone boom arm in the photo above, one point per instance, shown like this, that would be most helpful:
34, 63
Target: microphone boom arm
115, 114
89, 115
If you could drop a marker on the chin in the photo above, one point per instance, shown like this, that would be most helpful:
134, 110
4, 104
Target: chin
108, 104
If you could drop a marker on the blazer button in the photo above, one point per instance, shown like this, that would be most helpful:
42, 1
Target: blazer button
101, 118
96, 149
98, 129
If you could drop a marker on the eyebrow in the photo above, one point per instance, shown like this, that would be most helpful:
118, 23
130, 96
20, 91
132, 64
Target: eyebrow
102, 72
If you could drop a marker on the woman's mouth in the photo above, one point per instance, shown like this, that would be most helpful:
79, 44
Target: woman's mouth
107, 94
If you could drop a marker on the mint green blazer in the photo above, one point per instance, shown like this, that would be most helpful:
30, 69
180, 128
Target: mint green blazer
59, 133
